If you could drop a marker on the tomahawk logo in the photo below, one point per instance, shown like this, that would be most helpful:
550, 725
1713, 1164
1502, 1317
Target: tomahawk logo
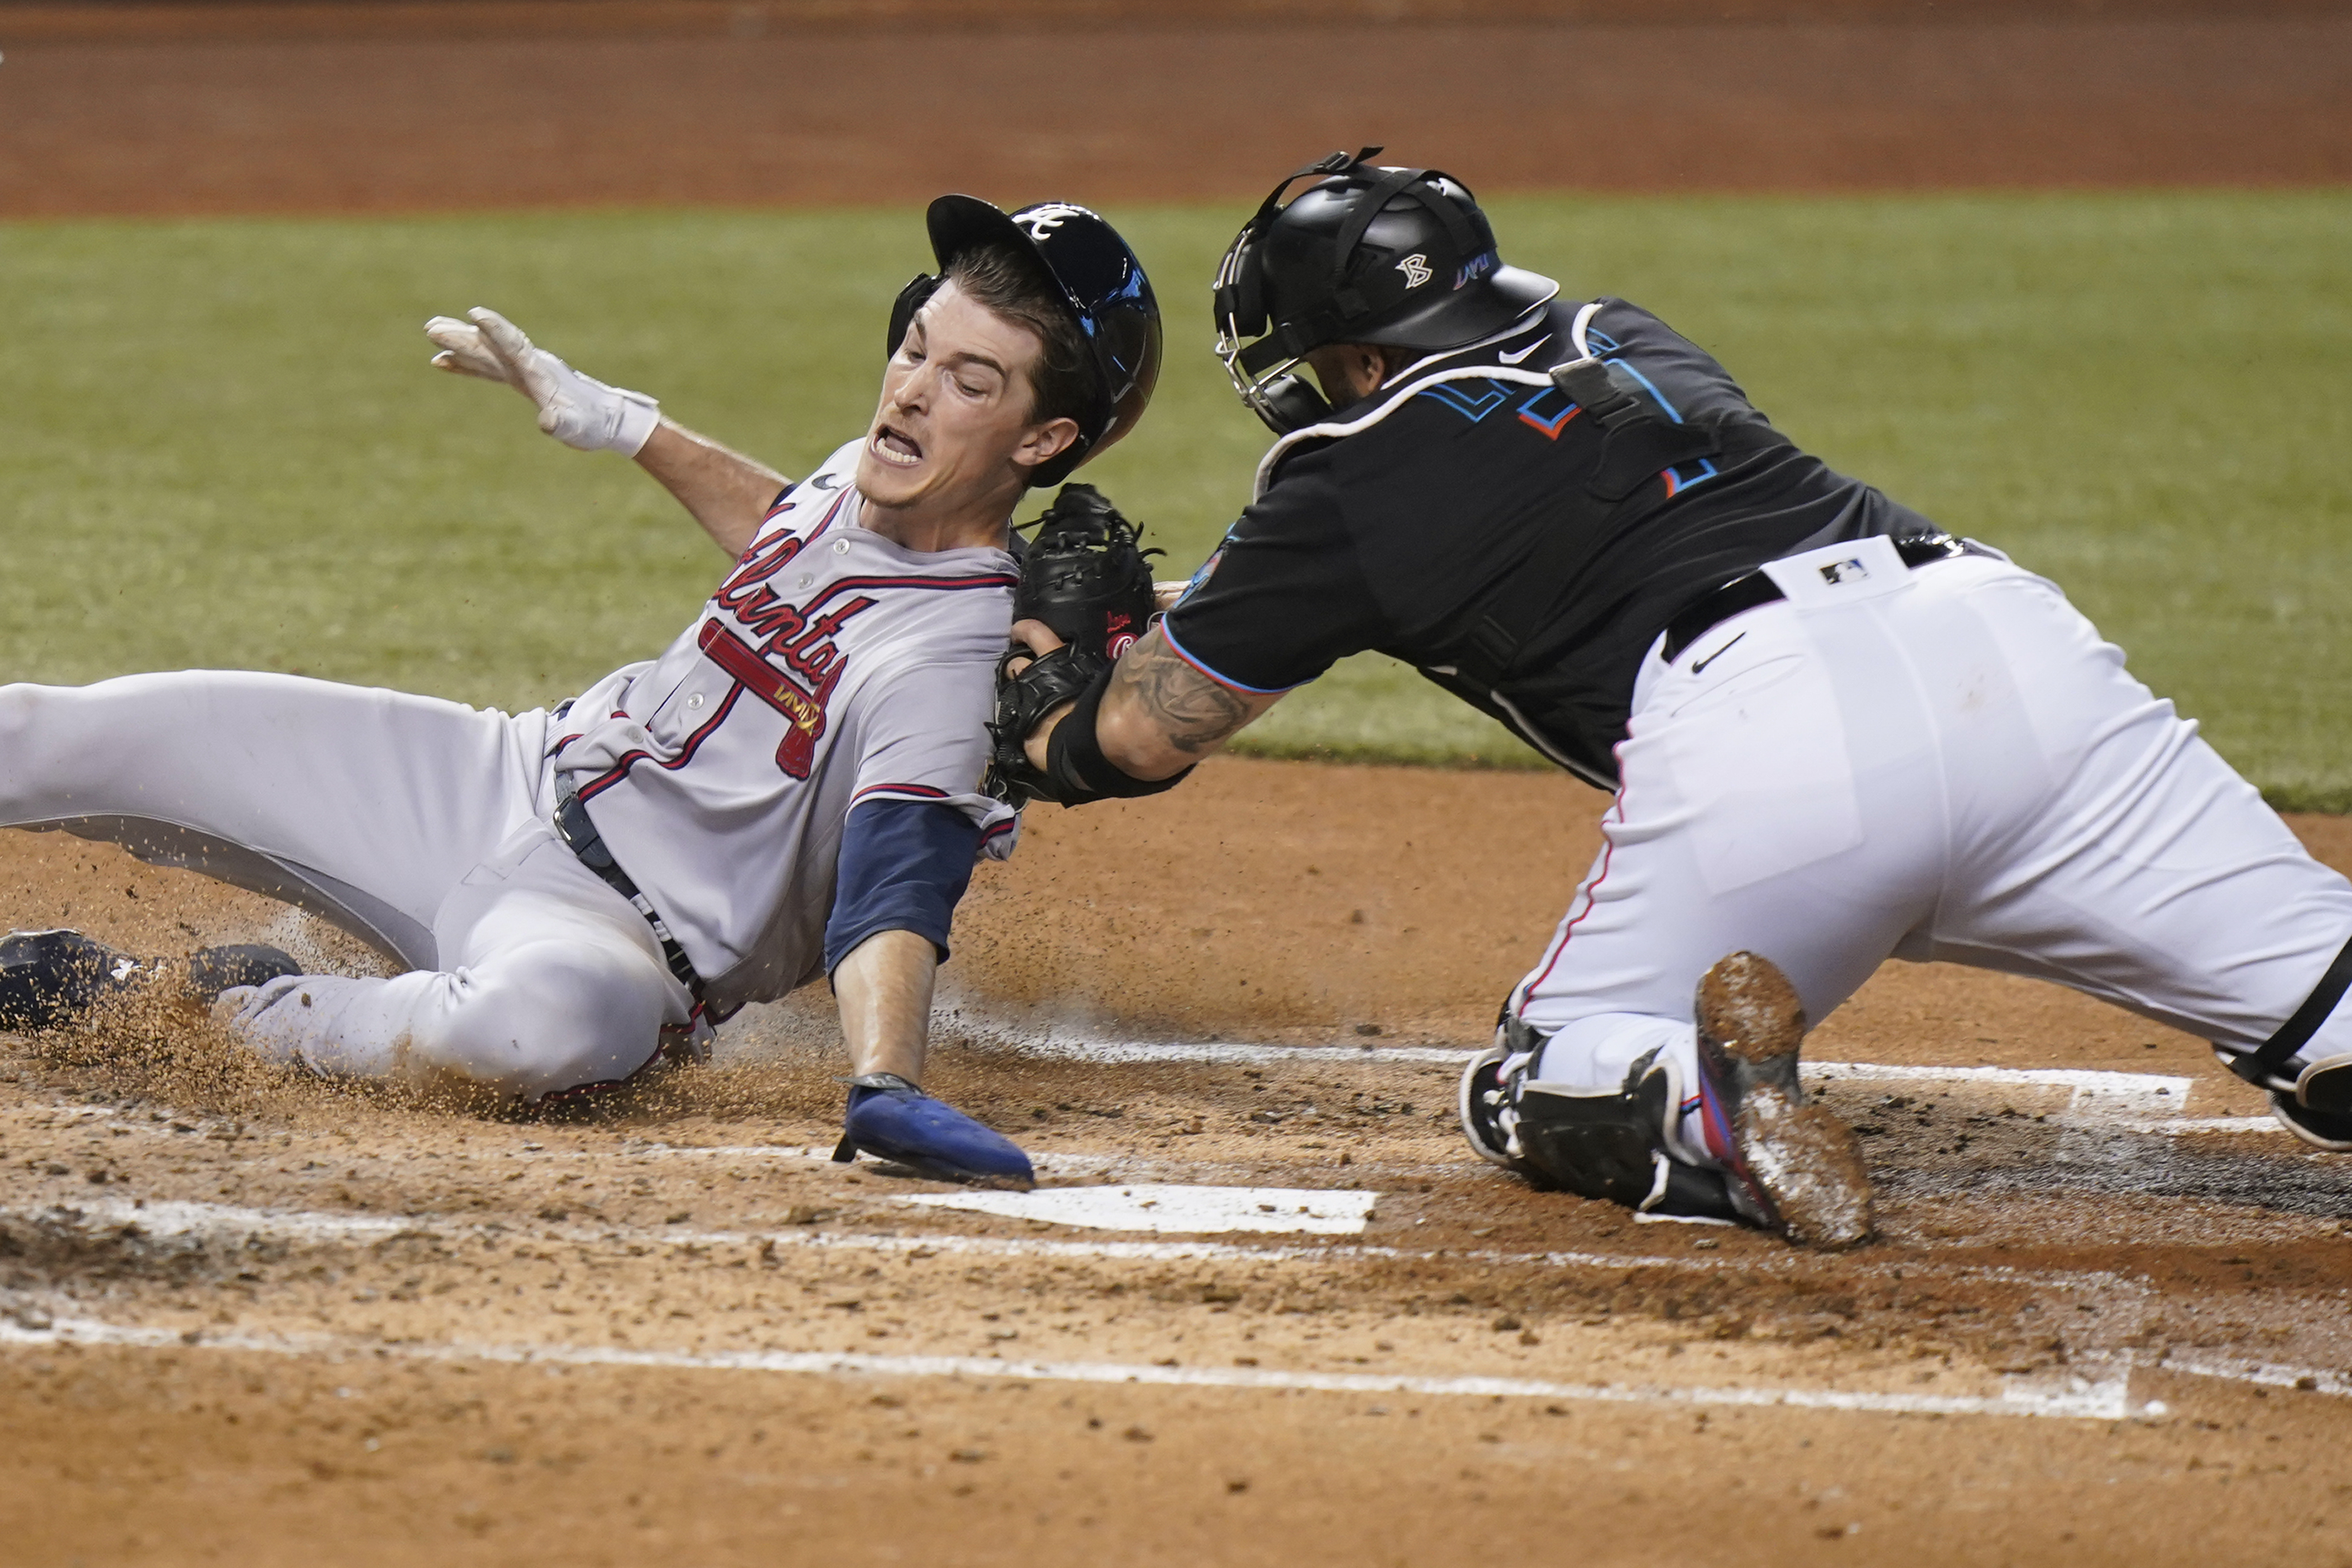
1042, 221
1415, 268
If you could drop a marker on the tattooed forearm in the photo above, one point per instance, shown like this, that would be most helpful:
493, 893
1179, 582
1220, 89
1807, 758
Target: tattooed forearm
1191, 712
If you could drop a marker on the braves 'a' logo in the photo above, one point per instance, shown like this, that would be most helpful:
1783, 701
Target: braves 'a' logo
1044, 220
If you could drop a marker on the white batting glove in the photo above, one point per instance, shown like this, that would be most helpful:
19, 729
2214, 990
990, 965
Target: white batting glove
578, 410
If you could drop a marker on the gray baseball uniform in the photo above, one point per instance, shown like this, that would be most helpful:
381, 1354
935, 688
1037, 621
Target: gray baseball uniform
832, 667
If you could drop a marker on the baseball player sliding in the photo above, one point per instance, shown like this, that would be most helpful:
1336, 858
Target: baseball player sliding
1834, 732
791, 789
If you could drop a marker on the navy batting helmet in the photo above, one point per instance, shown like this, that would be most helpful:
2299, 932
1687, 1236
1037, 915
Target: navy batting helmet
1097, 278
1400, 257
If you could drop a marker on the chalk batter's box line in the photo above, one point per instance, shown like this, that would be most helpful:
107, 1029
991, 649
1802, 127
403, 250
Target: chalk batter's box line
170, 1217
2107, 1400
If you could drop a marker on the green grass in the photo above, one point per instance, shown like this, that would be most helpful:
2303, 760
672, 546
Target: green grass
222, 446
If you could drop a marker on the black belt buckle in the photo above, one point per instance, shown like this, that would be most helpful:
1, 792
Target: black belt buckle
578, 829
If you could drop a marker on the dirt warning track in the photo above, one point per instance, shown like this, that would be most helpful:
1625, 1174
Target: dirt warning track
275, 115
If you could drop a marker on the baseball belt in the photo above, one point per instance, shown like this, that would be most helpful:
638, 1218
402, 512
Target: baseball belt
578, 830
1755, 589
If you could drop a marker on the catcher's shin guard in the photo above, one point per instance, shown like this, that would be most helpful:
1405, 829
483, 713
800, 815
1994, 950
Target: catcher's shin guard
1792, 1166
1602, 1143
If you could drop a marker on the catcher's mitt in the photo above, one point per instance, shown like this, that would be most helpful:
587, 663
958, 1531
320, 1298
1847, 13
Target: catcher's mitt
1084, 577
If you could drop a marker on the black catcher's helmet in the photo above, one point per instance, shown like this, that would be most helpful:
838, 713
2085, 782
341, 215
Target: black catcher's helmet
1402, 257
1099, 279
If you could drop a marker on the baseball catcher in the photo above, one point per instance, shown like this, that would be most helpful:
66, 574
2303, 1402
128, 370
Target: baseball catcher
1834, 732
789, 790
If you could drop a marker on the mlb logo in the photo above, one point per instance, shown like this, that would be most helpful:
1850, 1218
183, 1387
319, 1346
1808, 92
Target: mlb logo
1837, 573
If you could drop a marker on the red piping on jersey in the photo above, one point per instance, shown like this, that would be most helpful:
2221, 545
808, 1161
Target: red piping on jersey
629, 759
925, 791
996, 580
830, 512
1591, 897
1000, 829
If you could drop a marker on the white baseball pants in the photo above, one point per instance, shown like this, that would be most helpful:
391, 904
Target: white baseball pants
419, 825
1945, 763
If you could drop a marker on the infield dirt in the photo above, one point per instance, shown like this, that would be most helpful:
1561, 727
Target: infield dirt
327, 1290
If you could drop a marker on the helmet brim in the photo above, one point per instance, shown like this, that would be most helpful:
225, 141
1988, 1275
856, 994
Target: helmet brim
957, 223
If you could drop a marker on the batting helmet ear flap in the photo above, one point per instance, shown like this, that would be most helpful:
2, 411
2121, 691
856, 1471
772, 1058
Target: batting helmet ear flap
910, 299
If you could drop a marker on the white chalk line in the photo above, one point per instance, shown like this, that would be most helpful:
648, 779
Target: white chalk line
2187, 1125
1179, 1208
2140, 1101
2082, 1399
2311, 1379
1133, 1052
165, 1218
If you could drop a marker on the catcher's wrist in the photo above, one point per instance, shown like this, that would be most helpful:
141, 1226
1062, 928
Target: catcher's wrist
1074, 761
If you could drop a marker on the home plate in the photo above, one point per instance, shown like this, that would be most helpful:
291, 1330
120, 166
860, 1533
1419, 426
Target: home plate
1185, 1210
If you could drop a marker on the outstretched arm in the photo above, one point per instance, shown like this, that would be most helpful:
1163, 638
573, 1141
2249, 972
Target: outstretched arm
726, 492
1159, 716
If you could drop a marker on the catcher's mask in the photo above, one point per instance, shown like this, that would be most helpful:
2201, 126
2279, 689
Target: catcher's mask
1096, 276
1400, 257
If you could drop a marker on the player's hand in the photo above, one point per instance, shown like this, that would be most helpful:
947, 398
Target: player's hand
1164, 595
1039, 638
578, 410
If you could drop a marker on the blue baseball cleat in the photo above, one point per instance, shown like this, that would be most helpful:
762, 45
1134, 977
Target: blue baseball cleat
893, 1120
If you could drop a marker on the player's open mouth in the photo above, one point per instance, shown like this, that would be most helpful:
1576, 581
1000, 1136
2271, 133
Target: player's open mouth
891, 446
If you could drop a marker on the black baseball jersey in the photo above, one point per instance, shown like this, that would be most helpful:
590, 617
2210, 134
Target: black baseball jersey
1405, 523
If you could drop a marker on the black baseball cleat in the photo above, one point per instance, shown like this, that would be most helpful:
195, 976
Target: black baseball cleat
2329, 1130
49, 979
1791, 1165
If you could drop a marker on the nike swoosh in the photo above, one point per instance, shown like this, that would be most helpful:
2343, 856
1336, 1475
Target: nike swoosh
826, 482
1523, 353
1700, 667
